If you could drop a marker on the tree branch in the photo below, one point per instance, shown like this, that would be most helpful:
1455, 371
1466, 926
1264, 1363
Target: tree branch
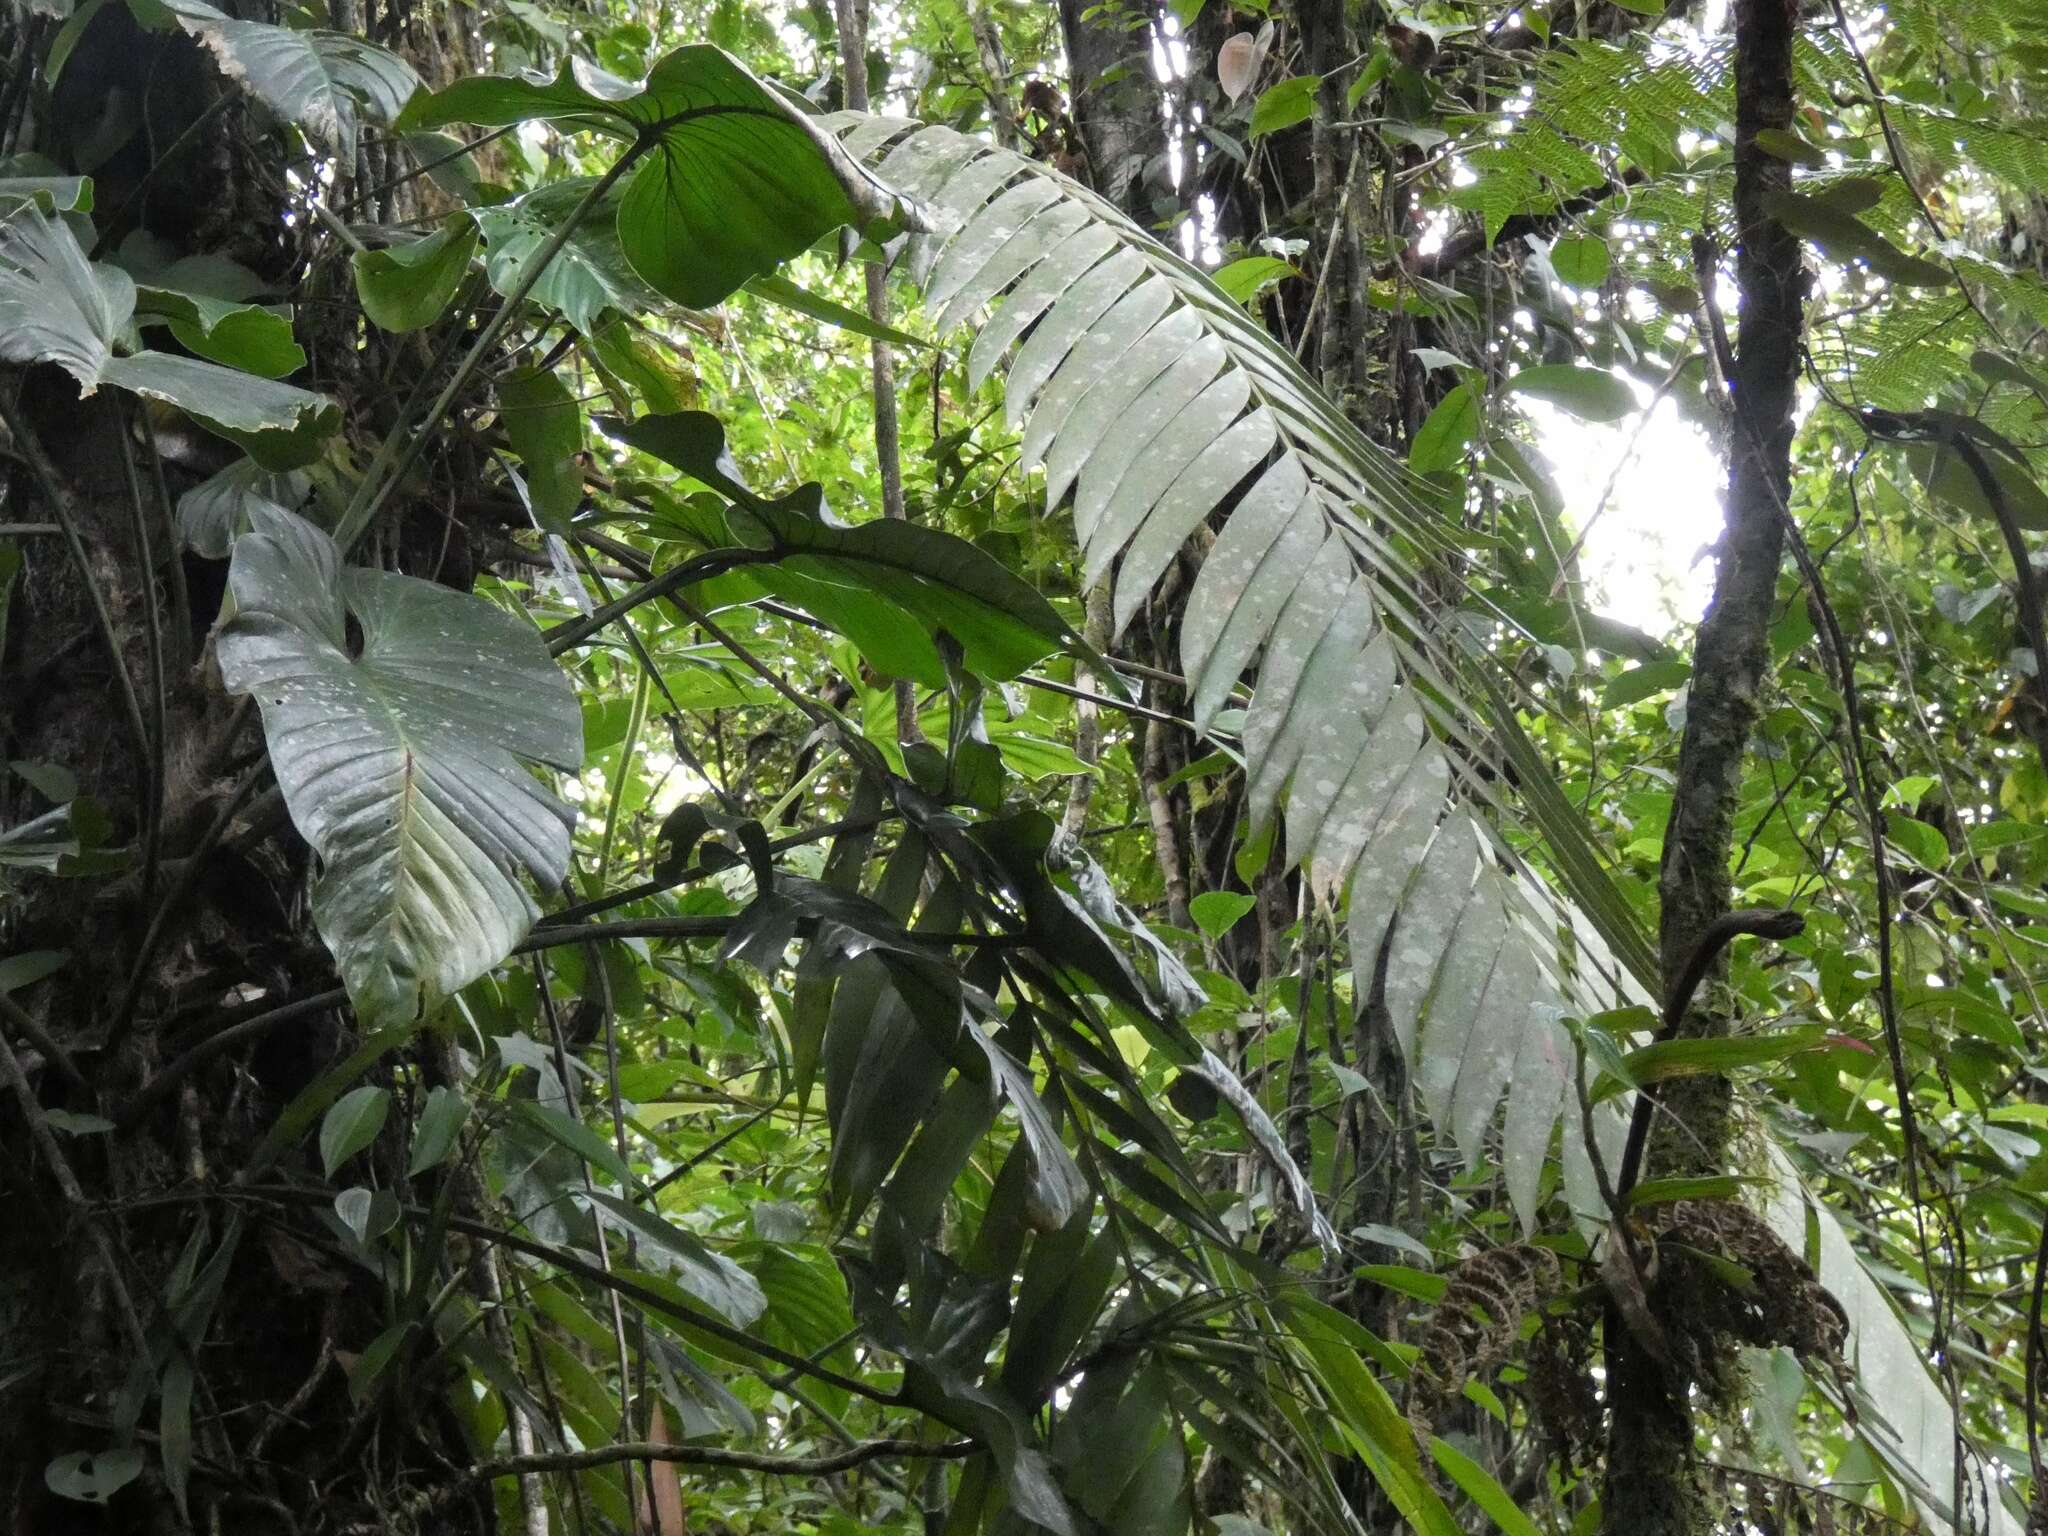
717, 1456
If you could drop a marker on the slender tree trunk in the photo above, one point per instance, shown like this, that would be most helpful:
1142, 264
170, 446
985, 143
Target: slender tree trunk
1652, 1483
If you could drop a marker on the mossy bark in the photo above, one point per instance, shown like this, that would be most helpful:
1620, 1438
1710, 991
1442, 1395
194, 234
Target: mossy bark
1653, 1485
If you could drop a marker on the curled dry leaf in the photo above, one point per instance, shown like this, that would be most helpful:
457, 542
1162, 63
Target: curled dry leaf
1237, 64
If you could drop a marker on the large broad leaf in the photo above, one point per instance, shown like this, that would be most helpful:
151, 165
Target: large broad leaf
325, 82
405, 287
735, 178
280, 426
400, 757
58, 307
205, 301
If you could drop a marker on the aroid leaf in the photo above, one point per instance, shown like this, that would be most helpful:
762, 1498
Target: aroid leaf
401, 758
325, 82
58, 307
734, 178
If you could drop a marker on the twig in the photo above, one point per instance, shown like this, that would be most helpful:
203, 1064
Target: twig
153, 647
118, 225
423, 169
74, 1196
2034, 1367
42, 1040
852, 18
1775, 923
181, 597
166, 1082
701, 568
174, 900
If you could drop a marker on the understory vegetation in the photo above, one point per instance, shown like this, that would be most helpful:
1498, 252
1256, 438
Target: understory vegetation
778, 767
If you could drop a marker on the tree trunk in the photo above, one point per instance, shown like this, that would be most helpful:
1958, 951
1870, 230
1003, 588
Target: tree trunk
199, 924
1652, 1484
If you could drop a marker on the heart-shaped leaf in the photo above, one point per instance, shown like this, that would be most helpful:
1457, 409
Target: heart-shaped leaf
93, 1477
401, 758
735, 178
440, 1123
351, 1124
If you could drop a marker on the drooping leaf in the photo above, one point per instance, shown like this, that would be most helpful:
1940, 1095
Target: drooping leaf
441, 1122
406, 287
1057, 1189
777, 289
327, 83
1249, 276
221, 507
1833, 226
709, 1276
278, 425
929, 580
400, 758
545, 427
1580, 260
93, 1477
1217, 912
1237, 64
1440, 441
1282, 106
1483, 1489
1950, 477
1593, 394
566, 1131
242, 336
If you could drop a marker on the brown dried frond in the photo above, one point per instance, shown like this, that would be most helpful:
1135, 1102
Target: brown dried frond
1786, 1304
1478, 1322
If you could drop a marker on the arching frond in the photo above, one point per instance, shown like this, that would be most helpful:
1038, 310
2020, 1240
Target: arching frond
1155, 403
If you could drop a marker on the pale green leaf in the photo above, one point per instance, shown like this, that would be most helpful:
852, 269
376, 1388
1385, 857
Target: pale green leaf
402, 765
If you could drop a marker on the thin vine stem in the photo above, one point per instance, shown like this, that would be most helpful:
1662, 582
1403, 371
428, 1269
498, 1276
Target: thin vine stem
39, 465
153, 645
